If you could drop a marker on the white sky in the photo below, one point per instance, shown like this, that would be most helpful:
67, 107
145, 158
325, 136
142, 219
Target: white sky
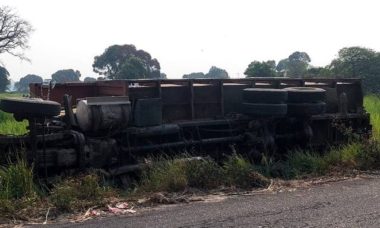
191, 35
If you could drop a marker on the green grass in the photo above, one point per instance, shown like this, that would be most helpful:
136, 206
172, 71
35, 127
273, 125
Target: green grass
16, 181
8, 125
372, 105
79, 193
172, 175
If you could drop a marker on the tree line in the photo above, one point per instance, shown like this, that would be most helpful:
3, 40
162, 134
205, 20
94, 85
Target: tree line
351, 62
128, 62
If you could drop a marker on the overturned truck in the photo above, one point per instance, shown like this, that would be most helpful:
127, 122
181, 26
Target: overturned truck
115, 124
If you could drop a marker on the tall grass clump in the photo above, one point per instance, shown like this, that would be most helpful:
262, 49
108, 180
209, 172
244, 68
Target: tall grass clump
204, 174
165, 174
79, 193
172, 175
239, 172
305, 163
16, 181
17, 187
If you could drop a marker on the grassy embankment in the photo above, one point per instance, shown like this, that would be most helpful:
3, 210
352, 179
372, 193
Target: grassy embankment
19, 192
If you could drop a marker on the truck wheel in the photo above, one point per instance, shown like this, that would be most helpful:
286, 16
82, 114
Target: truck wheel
306, 109
25, 107
305, 94
264, 109
269, 96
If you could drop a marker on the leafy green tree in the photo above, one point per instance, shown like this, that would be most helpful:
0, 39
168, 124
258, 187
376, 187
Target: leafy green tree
359, 62
14, 33
89, 79
295, 65
133, 68
261, 69
194, 75
116, 59
313, 72
68, 75
353, 61
23, 85
4, 79
216, 72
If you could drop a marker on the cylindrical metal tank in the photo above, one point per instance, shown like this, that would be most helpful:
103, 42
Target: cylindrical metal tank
103, 113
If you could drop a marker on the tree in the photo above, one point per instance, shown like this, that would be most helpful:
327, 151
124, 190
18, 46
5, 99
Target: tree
194, 75
4, 81
14, 33
125, 61
23, 85
261, 69
133, 68
89, 79
68, 75
353, 61
313, 72
359, 62
216, 72
295, 65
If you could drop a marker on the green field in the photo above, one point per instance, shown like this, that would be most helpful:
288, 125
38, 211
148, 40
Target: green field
8, 125
372, 105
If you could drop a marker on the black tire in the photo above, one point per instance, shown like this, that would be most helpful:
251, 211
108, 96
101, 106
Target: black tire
305, 94
269, 96
306, 109
264, 109
29, 107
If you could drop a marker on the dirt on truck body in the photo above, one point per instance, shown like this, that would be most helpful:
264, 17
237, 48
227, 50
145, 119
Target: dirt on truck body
112, 124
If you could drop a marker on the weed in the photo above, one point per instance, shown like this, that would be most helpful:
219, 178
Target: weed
16, 181
369, 155
165, 175
78, 193
305, 162
240, 172
204, 173
63, 196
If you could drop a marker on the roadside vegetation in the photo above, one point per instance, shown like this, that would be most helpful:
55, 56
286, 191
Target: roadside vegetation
24, 196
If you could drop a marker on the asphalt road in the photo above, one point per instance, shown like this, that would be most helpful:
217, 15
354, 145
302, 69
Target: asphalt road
349, 203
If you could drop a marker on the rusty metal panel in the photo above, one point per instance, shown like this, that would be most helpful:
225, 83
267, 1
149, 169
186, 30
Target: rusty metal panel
76, 90
111, 88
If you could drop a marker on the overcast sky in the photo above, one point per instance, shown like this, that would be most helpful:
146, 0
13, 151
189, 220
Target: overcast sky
191, 35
